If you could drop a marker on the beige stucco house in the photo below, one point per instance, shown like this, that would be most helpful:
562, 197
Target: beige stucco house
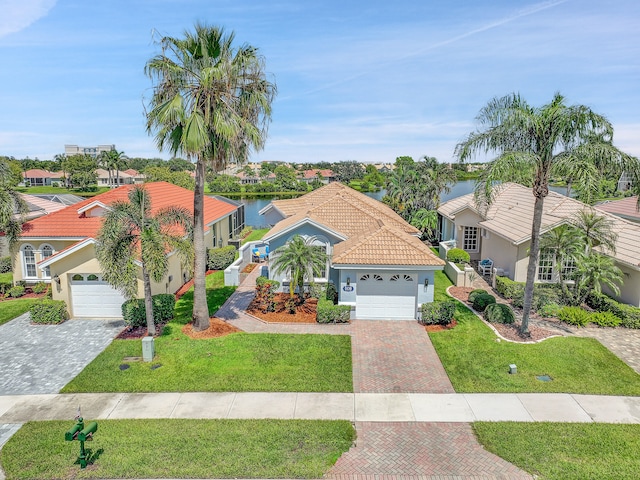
60, 249
502, 232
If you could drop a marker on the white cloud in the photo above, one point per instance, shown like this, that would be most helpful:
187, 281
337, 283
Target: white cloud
19, 14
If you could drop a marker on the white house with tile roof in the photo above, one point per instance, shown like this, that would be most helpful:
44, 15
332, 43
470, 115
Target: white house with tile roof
502, 232
376, 260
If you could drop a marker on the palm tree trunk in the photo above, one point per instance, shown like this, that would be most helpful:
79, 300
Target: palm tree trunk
532, 267
200, 314
148, 302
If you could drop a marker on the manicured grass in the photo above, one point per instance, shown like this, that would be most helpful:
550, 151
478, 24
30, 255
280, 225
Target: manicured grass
236, 363
565, 451
256, 234
476, 362
6, 277
180, 449
11, 309
49, 190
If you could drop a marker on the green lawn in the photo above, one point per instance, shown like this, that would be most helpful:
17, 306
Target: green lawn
256, 234
6, 277
11, 309
49, 190
565, 451
180, 449
235, 363
476, 362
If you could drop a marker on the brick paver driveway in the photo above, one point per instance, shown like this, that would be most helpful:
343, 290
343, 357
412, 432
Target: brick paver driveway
420, 450
395, 357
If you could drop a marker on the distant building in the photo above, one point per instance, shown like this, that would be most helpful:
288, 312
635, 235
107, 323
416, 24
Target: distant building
92, 151
625, 182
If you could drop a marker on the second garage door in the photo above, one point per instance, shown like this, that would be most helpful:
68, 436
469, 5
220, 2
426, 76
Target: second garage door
91, 297
386, 296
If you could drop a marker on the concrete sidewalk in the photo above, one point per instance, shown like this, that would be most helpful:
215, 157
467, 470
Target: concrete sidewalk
355, 407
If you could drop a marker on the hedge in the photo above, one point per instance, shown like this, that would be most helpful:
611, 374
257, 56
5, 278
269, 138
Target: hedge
327, 312
16, 291
507, 287
49, 312
220, 258
457, 255
628, 314
437, 313
499, 313
574, 316
134, 312
482, 301
6, 265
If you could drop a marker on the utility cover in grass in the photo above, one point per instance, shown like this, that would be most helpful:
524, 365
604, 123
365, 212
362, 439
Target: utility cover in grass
544, 378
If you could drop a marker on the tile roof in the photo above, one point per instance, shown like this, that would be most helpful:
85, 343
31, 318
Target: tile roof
385, 246
40, 173
625, 208
511, 214
374, 233
40, 206
68, 223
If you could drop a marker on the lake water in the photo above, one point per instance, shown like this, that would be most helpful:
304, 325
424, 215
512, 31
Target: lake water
253, 205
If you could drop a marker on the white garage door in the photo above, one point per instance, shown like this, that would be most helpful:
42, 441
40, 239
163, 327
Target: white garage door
389, 296
91, 297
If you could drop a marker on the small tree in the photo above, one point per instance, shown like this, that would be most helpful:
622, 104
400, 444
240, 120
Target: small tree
131, 233
301, 260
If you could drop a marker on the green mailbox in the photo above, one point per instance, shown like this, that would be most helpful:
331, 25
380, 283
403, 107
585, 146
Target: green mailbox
82, 434
87, 433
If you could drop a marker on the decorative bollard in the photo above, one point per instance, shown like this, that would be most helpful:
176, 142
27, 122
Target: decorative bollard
82, 434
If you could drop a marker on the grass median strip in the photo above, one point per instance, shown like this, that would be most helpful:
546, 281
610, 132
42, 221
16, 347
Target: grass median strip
565, 451
11, 309
180, 449
476, 362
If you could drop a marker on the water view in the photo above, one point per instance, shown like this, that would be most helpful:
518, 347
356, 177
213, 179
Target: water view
253, 205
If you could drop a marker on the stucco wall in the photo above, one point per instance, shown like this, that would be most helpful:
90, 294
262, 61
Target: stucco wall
503, 253
630, 290
467, 218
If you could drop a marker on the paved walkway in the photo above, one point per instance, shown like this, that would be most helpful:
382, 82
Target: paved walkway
44, 358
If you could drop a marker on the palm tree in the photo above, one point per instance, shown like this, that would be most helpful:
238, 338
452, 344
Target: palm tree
531, 143
131, 233
566, 243
211, 102
596, 228
12, 207
594, 271
302, 260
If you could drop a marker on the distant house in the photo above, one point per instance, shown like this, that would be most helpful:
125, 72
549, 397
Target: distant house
625, 182
59, 248
626, 208
118, 178
379, 266
502, 232
37, 177
309, 176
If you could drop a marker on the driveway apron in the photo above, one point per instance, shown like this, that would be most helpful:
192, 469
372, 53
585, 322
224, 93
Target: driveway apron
395, 357
37, 359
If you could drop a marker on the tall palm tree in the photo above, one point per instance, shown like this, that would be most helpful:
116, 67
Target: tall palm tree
302, 260
566, 243
12, 207
211, 102
533, 142
596, 228
594, 271
132, 233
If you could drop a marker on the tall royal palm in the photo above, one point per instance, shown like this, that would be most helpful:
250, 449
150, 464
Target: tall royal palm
12, 207
212, 103
132, 233
531, 144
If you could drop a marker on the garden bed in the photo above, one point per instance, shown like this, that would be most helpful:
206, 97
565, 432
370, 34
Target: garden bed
305, 313
28, 293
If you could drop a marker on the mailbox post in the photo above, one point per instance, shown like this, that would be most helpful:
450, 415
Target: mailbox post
82, 434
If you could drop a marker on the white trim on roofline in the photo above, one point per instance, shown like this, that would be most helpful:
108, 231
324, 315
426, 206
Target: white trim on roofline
305, 220
270, 206
348, 266
91, 205
70, 250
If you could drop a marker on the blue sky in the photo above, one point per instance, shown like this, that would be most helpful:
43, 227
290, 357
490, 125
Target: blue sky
357, 80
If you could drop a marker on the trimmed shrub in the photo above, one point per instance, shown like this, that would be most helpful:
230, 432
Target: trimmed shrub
457, 255
49, 312
499, 313
5, 287
508, 288
318, 290
220, 258
39, 287
605, 319
245, 232
482, 301
474, 293
6, 265
549, 310
327, 312
437, 313
16, 291
574, 316
265, 293
629, 315
134, 311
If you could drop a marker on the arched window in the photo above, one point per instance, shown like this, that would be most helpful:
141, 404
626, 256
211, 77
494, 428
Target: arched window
46, 252
364, 278
408, 278
377, 277
92, 278
29, 260
77, 278
395, 278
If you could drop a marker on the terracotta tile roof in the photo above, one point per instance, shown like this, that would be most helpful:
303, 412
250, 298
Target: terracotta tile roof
68, 223
39, 173
314, 172
386, 246
375, 234
625, 208
511, 215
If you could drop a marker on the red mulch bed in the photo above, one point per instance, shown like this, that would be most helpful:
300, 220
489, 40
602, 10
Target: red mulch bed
217, 328
439, 328
28, 293
305, 313
132, 333
249, 268
512, 331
